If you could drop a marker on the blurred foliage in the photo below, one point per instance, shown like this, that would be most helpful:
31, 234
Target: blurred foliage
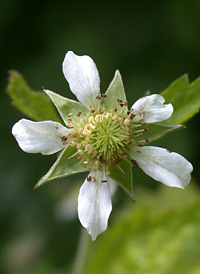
159, 235
35, 105
184, 97
152, 43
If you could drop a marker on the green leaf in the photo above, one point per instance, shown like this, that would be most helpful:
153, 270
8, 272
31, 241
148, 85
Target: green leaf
122, 174
154, 131
36, 105
185, 98
67, 106
115, 92
158, 234
66, 164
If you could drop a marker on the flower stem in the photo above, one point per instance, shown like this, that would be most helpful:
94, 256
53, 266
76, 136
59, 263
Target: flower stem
81, 253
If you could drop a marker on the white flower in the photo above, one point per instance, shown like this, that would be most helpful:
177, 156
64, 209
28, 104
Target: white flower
102, 136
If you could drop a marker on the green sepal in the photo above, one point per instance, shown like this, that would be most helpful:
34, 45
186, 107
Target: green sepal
34, 104
154, 131
66, 164
66, 106
122, 174
115, 92
185, 98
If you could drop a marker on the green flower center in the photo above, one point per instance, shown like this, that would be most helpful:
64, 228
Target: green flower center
105, 137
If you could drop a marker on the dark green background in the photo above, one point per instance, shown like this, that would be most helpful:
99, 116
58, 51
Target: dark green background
151, 42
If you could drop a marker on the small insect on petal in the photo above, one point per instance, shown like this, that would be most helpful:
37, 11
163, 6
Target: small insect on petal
104, 181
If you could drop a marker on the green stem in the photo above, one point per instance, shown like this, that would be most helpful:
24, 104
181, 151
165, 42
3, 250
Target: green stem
81, 253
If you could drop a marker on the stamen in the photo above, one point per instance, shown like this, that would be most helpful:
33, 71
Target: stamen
72, 155
78, 146
140, 145
85, 163
64, 140
132, 116
69, 126
134, 163
98, 97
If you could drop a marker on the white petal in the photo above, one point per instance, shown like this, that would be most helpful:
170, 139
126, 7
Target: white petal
40, 137
94, 204
169, 168
113, 186
83, 78
151, 109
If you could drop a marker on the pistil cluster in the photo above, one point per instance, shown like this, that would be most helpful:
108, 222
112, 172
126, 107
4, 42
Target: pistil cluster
103, 138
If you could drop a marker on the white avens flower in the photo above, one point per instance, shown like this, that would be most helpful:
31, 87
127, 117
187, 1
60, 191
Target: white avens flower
103, 137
